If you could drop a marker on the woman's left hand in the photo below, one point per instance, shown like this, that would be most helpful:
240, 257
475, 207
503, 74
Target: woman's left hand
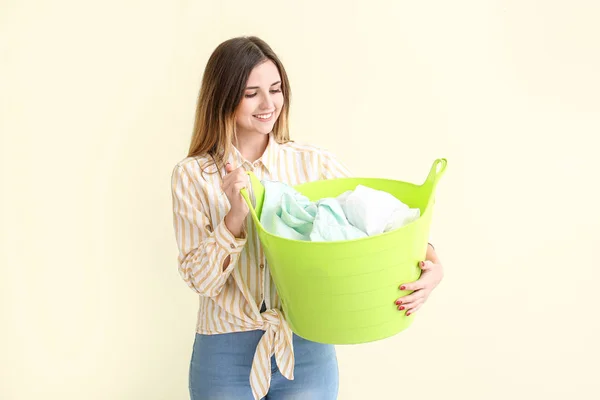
431, 275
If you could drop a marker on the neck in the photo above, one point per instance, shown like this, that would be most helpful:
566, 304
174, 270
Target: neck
251, 145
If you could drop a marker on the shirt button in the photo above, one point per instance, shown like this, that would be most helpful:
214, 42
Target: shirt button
208, 228
232, 246
262, 265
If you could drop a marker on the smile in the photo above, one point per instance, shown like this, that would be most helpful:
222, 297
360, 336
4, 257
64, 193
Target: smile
264, 117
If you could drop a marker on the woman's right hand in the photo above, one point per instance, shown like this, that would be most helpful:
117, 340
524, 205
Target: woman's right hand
233, 182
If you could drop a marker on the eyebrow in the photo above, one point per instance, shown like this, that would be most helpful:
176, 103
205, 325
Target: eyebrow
256, 87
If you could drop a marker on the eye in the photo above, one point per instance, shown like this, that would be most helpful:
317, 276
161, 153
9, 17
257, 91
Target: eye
249, 96
276, 91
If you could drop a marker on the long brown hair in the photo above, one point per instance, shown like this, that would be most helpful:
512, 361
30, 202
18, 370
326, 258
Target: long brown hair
223, 85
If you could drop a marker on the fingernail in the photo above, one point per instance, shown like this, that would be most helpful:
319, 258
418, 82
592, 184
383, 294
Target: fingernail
422, 264
402, 287
407, 314
398, 302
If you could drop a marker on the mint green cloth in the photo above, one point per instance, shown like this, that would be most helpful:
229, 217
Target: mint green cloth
289, 214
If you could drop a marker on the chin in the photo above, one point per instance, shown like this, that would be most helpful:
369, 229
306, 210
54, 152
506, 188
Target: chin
265, 130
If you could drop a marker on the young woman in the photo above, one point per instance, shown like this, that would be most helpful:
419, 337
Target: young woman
244, 348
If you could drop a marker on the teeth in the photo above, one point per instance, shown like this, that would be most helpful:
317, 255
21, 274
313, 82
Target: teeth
264, 116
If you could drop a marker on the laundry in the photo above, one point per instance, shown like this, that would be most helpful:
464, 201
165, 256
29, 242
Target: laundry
354, 214
289, 214
375, 211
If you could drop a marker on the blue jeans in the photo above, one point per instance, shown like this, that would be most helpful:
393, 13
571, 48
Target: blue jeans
220, 369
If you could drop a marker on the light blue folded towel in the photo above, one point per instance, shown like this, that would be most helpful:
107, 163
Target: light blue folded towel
289, 214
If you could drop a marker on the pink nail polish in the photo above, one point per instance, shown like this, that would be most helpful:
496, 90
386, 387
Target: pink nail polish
401, 308
402, 287
407, 314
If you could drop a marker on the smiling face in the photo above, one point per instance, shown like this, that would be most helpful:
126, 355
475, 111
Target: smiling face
262, 101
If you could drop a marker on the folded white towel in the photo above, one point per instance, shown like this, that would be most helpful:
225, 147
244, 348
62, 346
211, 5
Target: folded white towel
375, 211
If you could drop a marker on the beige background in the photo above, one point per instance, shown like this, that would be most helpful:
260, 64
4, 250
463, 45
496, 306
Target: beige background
97, 103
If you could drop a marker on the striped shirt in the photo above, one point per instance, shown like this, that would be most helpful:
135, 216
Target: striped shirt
230, 299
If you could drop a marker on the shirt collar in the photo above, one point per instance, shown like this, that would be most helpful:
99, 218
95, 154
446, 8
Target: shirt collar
268, 158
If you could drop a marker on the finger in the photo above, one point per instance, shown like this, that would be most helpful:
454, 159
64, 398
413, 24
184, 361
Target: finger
235, 175
228, 167
426, 265
225, 185
410, 308
405, 306
411, 297
415, 308
237, 186
235, 190
416, 285
233, 180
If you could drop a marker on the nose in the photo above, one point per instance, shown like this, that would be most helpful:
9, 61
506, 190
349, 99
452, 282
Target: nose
267, 102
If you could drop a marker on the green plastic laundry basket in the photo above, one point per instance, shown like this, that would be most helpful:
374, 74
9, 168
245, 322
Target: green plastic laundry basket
344, 292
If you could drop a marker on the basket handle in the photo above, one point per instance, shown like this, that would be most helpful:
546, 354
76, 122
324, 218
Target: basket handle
257, 187
437, 170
